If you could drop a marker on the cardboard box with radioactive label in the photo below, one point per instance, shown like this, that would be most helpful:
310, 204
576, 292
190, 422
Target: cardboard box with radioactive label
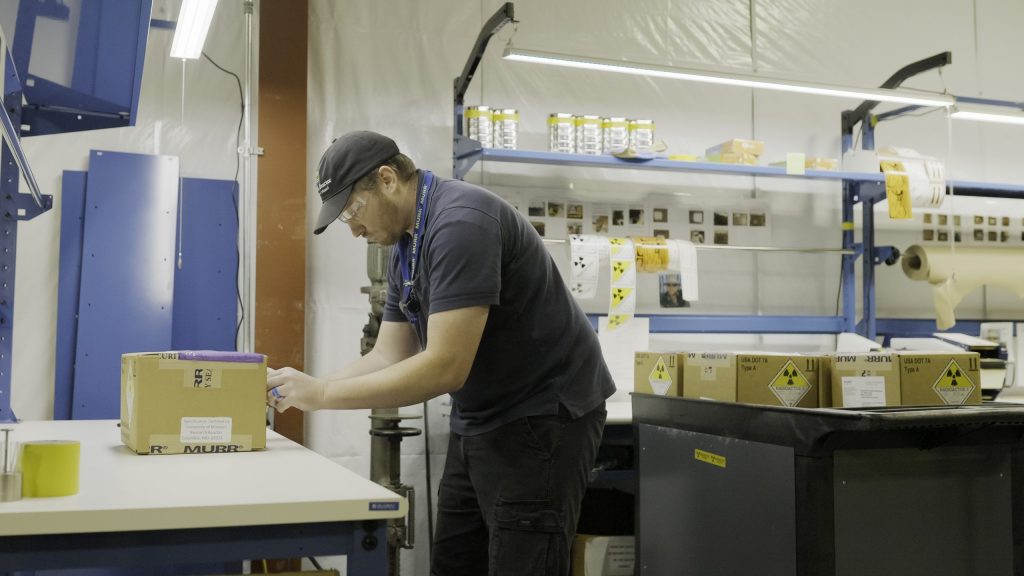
658, 373
873, 379
753, 378
939, 378
193, 402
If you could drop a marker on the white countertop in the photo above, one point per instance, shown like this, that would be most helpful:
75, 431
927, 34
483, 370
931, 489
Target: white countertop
122, 491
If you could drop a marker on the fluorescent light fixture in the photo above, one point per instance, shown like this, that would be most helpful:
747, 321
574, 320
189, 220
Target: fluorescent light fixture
746, 80
190, 31
998, 118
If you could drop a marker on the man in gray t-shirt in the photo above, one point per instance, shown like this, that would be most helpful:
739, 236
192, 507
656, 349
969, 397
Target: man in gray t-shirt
477, 309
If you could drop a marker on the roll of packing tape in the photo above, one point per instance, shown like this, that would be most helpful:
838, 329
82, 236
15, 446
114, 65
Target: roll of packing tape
49, 468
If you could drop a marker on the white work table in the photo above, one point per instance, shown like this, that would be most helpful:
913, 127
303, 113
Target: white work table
285, 501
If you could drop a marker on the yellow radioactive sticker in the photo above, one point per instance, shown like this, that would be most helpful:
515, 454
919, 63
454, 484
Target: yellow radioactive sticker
709, 457
619, 295
620, 267
617, 244
616, 320
789, 385
954, 386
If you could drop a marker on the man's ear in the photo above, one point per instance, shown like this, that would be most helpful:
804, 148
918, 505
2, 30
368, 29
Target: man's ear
388, 177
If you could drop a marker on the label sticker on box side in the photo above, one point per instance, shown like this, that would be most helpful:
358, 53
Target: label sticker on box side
954, 386
709, 457
659, 378
205, 430
712, 359
789, 385
863, 391
202, 378
383, 506
864, 363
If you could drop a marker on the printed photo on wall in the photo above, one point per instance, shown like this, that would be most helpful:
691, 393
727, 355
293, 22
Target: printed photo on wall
618, 217
979, 235
537, 208
740, 218
636, 216
697, 236
660, 215
943, 236
573, 228
721, 219
575, 211
539, 227
663, 234
670, 291
600, 223
556, 210
928, 235
757, 219
696, 216
721, 236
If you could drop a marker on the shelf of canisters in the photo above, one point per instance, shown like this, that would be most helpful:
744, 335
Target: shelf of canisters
471, 153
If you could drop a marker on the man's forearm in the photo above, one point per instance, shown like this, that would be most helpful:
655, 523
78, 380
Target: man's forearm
411, 381
363, 365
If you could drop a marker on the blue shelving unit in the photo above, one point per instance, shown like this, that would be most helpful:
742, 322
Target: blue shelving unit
859, 188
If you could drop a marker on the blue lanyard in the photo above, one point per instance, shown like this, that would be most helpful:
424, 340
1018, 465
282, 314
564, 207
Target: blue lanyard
407, 263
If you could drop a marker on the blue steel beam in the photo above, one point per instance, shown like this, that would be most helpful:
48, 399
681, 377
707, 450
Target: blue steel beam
734, 324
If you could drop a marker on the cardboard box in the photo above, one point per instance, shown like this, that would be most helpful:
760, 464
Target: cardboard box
193, 402
736, 146
864, 379
753, 378
905, 379
603, 555
710, 375
939, 378
658, 373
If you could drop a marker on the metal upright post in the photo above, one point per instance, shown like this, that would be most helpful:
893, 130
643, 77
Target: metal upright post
14, 206
849, 266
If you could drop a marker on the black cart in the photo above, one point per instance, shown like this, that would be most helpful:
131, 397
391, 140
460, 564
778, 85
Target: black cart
735, 489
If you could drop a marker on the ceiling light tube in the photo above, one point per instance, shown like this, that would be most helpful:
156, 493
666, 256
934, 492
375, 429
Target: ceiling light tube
746, 80
190, 31
998, 118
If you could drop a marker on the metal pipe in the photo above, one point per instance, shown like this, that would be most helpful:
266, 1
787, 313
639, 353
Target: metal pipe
246, 197
19, 156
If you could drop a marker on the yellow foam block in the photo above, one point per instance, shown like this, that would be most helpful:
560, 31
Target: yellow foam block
49, 468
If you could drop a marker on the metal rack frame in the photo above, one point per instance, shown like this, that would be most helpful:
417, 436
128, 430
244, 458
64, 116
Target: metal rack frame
863, 188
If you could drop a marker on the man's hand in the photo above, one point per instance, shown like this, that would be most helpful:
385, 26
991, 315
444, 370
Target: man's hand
287, 387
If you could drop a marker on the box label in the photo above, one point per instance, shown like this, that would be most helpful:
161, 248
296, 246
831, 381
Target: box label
709, 457
863, 391
383, 506
205, 430
202, 378
789, 385
953, 386
659, 378
870, 363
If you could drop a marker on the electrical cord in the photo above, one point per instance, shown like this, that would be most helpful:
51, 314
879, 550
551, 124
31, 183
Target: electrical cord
234, 196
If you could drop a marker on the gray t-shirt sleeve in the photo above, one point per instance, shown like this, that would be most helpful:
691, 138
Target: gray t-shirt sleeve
464, 259
392, 313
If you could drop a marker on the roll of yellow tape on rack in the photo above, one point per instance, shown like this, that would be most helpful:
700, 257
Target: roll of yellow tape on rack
49, 468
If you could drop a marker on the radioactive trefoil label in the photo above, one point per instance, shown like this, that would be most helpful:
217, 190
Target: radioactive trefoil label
789, 385
659, 378
953, 386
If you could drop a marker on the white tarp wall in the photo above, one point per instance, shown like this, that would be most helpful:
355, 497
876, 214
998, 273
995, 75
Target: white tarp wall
388, 65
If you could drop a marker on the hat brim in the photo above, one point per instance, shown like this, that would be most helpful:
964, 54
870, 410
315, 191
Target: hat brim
331, 209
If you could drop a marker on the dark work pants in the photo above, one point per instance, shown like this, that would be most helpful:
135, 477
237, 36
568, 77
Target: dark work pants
510, 498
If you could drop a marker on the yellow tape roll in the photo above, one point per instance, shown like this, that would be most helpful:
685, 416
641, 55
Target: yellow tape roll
49, 468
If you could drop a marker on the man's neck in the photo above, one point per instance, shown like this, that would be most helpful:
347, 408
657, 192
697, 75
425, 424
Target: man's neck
410, 198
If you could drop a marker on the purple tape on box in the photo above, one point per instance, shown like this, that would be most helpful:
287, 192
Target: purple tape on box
220, 356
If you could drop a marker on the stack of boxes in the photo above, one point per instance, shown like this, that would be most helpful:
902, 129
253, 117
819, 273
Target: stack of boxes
860, 380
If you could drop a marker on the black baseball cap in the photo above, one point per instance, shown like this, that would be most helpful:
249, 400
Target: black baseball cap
346, 161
